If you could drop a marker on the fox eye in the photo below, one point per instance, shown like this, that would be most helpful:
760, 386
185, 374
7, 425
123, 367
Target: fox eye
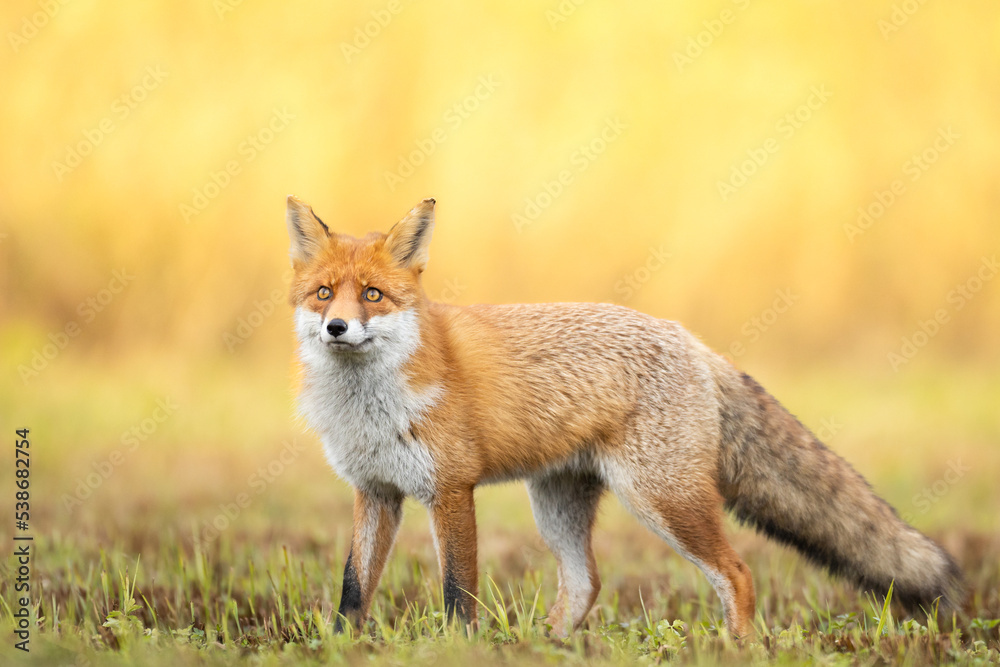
373, 295
323, 293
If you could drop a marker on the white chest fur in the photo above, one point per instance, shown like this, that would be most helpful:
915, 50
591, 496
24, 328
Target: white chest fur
363, 409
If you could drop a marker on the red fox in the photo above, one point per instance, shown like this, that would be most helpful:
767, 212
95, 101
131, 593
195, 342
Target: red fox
422, 399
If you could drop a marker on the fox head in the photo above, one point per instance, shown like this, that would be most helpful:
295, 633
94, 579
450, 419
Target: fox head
357, 296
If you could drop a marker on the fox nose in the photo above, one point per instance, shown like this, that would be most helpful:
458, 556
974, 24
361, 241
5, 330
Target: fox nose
336, 327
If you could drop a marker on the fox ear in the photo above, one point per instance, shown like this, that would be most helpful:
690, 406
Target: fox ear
307, 231
409, 239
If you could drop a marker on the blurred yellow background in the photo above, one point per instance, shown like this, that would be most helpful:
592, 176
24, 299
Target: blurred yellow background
810, 187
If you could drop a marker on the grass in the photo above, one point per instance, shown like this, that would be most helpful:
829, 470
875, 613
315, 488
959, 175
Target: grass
275, 604
134, 574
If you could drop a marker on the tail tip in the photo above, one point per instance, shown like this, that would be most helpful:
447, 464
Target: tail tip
943, 590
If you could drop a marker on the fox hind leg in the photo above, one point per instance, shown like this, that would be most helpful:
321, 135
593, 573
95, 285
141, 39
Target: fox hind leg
565, 505
690, 520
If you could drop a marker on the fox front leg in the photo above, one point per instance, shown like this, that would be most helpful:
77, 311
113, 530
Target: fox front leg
376, 520
453, 517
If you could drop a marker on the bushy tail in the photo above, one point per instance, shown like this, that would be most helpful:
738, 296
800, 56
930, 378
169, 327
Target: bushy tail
778, 477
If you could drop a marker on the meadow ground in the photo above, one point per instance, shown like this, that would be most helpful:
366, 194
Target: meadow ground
218, 537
